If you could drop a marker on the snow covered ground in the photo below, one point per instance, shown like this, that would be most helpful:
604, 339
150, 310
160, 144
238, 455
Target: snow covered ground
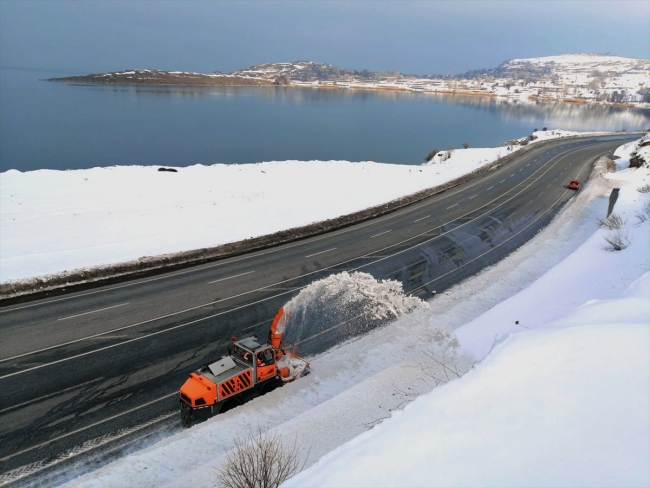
561, 396
55, 221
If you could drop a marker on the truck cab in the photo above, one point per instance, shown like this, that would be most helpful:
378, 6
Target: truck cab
260, 357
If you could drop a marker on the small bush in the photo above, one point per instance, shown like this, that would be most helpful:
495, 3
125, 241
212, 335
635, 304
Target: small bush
465, 145
544, 128
613, 222
617, 240
259, 461
644, 189
524, 142
431, 154
644, 214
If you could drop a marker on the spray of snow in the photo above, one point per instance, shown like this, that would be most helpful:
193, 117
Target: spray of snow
343, 306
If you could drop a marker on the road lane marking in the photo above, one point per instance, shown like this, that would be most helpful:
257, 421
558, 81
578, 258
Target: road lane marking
50, 395
380, 234
89, 426
455, 204
473, 196
317, 253
421, 219
486, 252
548, 185
521, 170
92, 444
502, 181
512, 175
489, 188
94, 311
230, 277
489, 204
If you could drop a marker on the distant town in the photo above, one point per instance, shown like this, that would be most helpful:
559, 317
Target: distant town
574, 78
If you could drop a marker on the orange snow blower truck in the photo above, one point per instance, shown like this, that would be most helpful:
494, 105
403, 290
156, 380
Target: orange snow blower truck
250, 370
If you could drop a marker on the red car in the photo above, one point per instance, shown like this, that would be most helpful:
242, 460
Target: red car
574, 185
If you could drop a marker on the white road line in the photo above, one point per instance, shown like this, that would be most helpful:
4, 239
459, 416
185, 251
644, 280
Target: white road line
88, 427
380, 234
473, 196
230, 277
490, 250
452, 206
421, 219
548, 185
316, 254
521, 170
502, 181
512, 175
489, 188
50, 395
94, 311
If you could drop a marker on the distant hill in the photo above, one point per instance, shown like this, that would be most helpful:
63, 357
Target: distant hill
593, 65
159, 77
306, 71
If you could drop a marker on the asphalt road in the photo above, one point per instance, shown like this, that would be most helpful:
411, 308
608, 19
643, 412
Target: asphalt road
84, 371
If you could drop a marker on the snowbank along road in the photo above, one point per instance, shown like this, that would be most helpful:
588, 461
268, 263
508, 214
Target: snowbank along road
100, 368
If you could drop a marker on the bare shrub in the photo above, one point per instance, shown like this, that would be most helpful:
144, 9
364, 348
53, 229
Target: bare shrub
644, 189
465, 145
644, 214
618, 239
259, 460
614, 221
431, 155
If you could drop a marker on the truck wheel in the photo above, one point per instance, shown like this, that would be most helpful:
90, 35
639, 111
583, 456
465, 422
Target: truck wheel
186, 414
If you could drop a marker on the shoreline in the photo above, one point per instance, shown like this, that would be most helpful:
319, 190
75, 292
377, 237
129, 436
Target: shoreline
261, 84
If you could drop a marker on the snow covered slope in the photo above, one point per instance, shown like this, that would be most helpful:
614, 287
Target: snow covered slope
580, 63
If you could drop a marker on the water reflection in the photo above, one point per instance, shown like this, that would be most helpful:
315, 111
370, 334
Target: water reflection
555, 114
64, 126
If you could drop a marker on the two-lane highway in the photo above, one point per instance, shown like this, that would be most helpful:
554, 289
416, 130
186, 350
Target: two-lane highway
98, 366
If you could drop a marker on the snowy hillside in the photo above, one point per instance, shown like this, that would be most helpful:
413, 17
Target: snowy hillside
307, 71
581, 63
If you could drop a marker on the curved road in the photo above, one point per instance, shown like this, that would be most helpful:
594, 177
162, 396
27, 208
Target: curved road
102, 367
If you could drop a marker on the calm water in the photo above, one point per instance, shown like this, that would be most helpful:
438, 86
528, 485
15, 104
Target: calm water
61, 126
